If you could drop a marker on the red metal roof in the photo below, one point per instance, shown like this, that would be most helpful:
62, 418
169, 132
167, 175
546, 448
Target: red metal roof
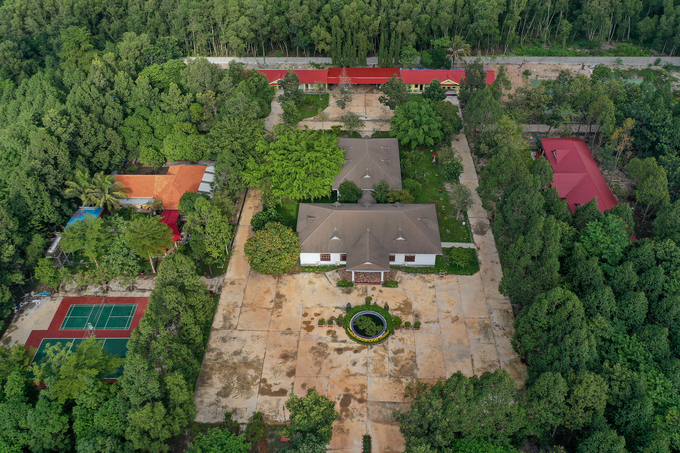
374, 76
305, 75
169, 217
425, 76
312, 75
273, 74
577, 176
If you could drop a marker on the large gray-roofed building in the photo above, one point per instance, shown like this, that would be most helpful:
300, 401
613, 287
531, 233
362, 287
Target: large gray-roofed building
368, 238
369, 161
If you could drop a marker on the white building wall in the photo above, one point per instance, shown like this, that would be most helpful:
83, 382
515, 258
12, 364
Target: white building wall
312, 259
421, 260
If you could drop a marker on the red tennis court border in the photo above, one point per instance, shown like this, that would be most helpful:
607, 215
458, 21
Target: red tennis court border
36, 336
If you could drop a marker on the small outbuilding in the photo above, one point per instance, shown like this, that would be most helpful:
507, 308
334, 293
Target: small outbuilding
577, 177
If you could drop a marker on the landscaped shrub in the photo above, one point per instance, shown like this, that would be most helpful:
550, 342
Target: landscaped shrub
349, 192
452, 169
322, 322
255, 429
396, 321
262, 218
390, 284
218, 440
340, 320
400, 196
366, 444
416, 325
413, 186
273, 250
380, 191
320, 269
368, 300
345, 284
407, 325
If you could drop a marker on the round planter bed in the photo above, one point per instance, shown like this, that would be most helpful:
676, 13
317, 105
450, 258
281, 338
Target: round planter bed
380, 320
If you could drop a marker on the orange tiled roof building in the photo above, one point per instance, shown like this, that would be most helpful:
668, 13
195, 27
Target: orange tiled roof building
167, 188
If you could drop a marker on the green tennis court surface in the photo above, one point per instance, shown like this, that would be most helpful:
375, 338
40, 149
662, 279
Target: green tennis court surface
116, 346
100, 316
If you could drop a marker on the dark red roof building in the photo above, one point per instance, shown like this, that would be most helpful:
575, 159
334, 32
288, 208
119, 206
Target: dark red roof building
577, 177
447, 77
362, 76
306, 76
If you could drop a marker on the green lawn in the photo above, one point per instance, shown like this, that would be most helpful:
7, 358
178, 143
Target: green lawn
443, 264
289, 210
416, 98
382, 134
310, 109
450, 229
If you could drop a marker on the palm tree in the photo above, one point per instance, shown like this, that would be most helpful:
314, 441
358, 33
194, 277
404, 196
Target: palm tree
458, 49
81, 187
106, 191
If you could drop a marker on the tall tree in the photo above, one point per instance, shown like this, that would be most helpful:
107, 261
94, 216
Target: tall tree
434, 91
456, 48
297, 165
395, 93
148, 237
652, 184
415, 124
210, 231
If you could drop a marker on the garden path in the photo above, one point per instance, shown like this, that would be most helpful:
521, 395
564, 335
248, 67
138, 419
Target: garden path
499, 309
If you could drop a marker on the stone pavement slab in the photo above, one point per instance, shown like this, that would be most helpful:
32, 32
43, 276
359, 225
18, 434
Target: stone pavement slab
266, 343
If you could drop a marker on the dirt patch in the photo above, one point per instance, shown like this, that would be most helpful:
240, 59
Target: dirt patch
232, 282
279, 299
242, 379
266, 389
304, 315
480, 228
345, 402
319, 353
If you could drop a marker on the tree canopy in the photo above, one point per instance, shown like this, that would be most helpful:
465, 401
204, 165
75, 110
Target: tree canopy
298, 164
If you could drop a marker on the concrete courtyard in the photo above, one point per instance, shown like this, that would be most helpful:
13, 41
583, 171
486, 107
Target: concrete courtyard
266, 344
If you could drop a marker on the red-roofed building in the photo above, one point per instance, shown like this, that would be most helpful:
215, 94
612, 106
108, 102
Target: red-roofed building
361, 76
418, 79
167, 188
577, 177
312, 80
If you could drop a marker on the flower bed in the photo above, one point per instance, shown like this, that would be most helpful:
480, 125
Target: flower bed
355, 312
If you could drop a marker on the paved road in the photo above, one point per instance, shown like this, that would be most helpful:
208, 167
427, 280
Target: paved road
373, 61
498, 308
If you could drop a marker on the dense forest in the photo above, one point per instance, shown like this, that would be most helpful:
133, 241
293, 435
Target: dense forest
95, 112
349, 31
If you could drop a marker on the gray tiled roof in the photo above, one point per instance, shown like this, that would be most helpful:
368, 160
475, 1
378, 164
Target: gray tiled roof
380, 229
369, 161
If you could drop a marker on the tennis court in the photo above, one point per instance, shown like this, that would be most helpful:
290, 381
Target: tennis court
117, 346
100, 316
